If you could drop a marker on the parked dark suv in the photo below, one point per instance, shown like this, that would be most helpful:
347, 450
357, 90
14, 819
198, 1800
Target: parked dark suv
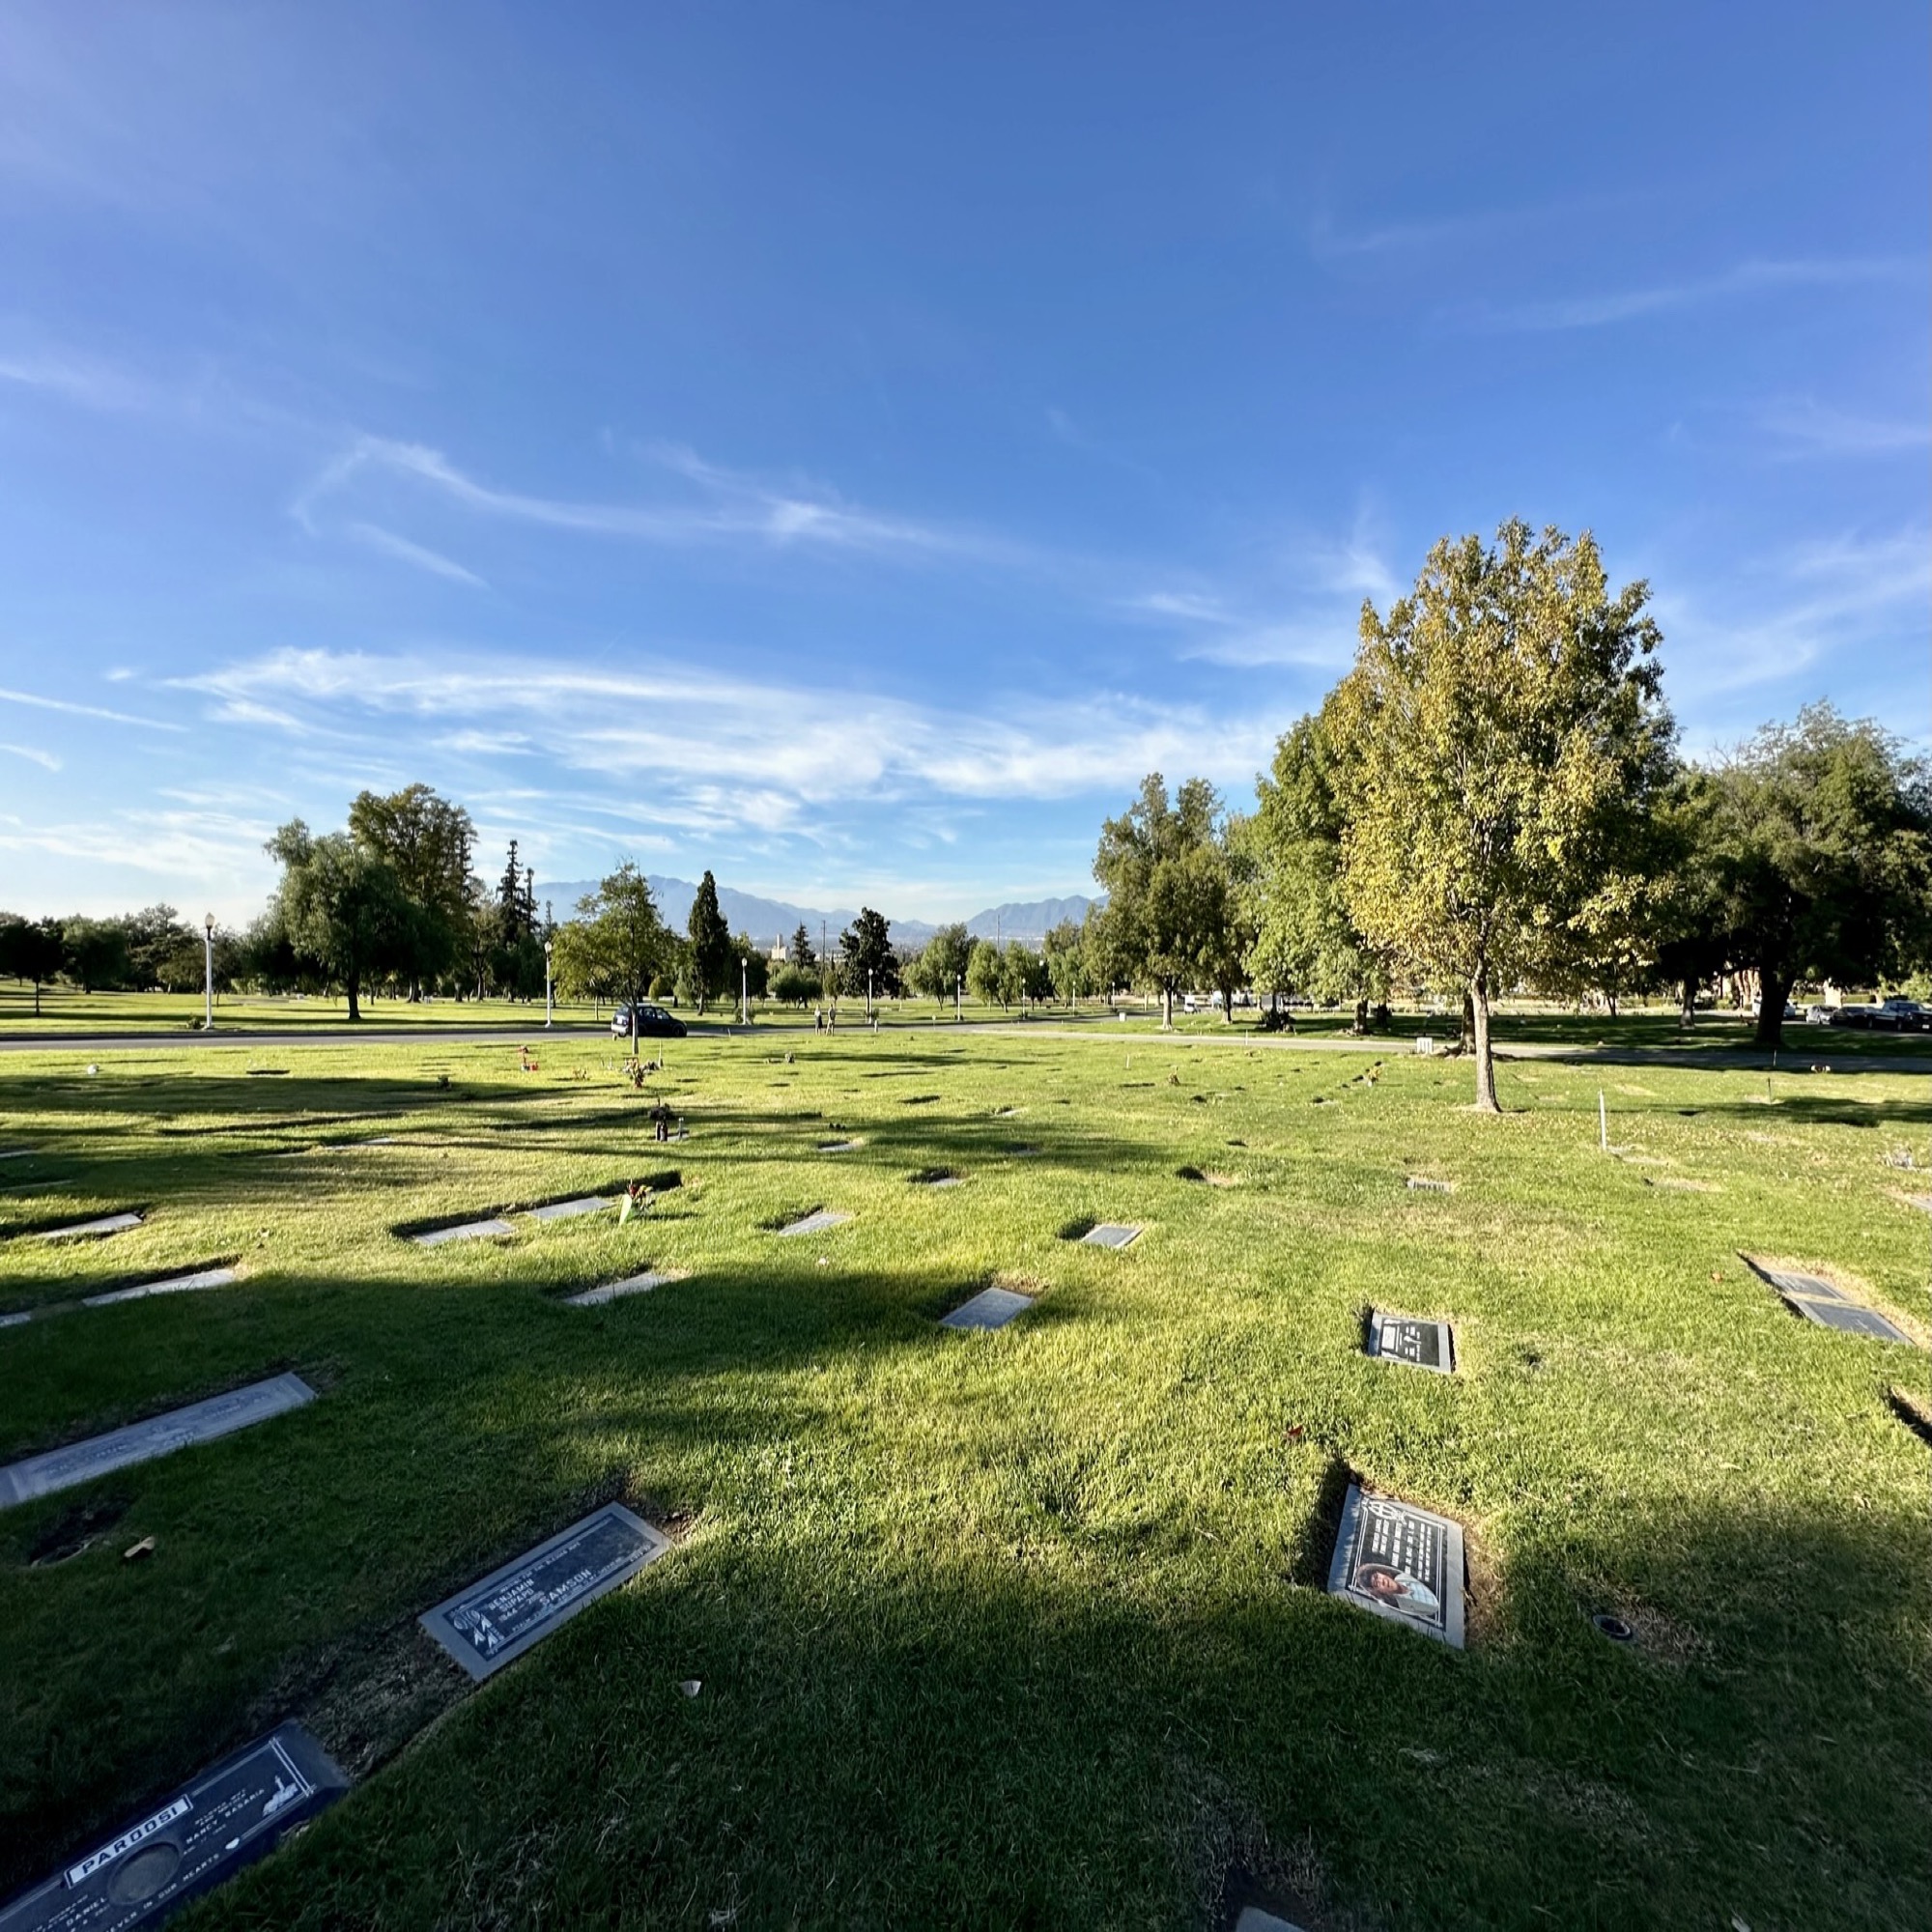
653, 1023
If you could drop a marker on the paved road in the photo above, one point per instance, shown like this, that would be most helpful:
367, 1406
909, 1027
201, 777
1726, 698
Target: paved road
1800, 1054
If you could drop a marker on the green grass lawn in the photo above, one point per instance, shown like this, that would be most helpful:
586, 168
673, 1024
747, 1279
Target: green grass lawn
1021, 1629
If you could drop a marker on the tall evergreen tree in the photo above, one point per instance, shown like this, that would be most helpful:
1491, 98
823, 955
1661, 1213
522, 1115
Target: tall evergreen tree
712, 958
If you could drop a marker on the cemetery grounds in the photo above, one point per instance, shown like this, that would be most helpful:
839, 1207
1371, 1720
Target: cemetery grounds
1004, 1629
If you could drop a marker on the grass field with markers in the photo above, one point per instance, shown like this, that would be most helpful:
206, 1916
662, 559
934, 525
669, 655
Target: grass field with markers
1023, 1628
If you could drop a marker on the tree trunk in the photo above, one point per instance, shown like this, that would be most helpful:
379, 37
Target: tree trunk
1228, 1005
1361, 1016
1772, 990
1167, 1003
1485, 1069
355, 985
1687, 1001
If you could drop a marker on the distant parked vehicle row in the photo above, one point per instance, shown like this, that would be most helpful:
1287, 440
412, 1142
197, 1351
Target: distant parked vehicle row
1894, 1016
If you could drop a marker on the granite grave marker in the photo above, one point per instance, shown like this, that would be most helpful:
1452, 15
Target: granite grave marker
1396, 1561
106, 1224
498, 1617
1403, 1338
990, 1308
612, 1290
193, 1840
1111, 1234
159, 1435
568, 1211
178, 1284
1827, 1305
464, 1230
816, 1222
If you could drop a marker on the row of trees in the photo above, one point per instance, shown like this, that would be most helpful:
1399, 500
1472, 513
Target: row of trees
1492, 799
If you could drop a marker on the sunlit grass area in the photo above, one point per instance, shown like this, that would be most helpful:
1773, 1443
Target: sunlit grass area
1023, 1628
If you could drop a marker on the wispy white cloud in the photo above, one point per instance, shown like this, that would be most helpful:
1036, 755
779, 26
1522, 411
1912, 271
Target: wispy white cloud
719, 751
33, 755
406, 551
1746, 278
1811, 428
78, 379
729, 506
1820, 600
41, 703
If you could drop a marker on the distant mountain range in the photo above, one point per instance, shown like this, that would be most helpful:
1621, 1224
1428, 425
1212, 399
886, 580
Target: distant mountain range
769, 920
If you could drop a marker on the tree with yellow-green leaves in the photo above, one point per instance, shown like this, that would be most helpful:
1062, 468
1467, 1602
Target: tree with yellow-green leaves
1503, 741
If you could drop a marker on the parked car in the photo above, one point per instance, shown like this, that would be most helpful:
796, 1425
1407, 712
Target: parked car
1852, 1016
653, 1023
1819, 1015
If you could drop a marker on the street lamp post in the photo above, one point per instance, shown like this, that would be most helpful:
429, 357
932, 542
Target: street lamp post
868, 992
549, 994
744, 992
208, 960
959, 997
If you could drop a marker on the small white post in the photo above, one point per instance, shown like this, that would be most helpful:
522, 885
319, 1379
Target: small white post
1603, 1122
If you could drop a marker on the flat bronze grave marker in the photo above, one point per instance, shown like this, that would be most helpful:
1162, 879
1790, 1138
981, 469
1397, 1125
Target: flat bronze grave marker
990, 1308
816, 1222
1111, 1234
1400, 1562
464, 1230
159, 1435
612, 1290
178, 1284
1403, 1338
194, 1839
106, 1224
568, 1211
1422, 1183
502, 1615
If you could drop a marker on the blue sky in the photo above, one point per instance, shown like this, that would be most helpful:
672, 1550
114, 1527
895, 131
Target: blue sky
846, 448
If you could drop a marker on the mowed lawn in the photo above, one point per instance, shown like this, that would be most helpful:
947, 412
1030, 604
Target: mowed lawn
1020, 1629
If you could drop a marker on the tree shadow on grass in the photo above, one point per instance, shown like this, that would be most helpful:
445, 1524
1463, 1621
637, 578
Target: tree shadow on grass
940, 1689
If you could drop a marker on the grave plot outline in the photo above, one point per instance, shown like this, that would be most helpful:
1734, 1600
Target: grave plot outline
196, 1838
1417, 1341
993, 1307
492, 1622
1401, 1563
205, 1421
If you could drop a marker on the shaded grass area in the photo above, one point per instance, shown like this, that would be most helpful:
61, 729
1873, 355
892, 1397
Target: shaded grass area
1022, 1627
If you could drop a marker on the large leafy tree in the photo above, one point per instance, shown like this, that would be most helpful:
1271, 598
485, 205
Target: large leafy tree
1502, 739
866, 946
712, 961
1067, 966
1818, 840
1304, 939
30, 950
340, 905
1173, 914
429, 843
616, 944
941, 963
